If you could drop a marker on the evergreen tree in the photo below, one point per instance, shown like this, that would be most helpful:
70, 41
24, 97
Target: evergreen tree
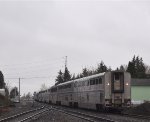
14, 92
141, 69
2, 83
109, 69
67, 75
131, 69
59, 78
73, 77
7, 92
81, 75
136, 68
85, 72
28, 96
147, 67
117, 69
90, 72
122, 68
78, 76
101, 68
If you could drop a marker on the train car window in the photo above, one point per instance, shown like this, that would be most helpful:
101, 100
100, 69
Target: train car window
91, 82
83, 83
88, 82
69, 86
75, 84
80, 83
70, 96
65, 86
118, 82
87, 97
100, 81
116, 76
96, 81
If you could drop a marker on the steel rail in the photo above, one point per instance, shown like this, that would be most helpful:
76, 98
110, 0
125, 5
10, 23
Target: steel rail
80, 115
34, 115
137, 116
20, 114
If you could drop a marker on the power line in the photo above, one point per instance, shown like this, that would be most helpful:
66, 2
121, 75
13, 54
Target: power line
29, 77
30, 63
39, 69
65, 61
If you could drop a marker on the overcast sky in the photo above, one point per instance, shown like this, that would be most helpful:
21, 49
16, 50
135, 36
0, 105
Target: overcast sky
35, 36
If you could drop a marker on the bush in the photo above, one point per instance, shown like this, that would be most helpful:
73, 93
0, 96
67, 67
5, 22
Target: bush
4, 101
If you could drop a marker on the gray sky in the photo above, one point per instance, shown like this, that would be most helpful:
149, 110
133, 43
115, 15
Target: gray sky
35, 36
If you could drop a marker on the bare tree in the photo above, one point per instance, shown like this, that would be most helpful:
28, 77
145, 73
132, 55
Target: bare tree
7, 88
28, 96
147, 67
43, 87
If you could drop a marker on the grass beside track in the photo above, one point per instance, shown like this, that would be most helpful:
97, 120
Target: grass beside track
143, 109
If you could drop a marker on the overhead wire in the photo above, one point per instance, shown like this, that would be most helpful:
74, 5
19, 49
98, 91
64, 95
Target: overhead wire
26, 69
27, 77
28, 63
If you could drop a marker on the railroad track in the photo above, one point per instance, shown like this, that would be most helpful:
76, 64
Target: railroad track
137, 116
92, 116
84, 116
24, 116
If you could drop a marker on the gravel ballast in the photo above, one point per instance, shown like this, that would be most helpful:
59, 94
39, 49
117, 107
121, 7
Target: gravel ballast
18, 108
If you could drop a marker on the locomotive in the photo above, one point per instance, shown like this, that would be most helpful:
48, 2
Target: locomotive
100, 91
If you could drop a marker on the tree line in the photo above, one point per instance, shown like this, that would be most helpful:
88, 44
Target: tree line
14, 91
66, 76
136, 67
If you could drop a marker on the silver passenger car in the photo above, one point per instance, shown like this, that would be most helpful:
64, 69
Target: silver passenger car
100, 91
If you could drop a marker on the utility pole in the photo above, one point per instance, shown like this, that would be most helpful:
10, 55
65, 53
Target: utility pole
19, 90
65, 68
65, 62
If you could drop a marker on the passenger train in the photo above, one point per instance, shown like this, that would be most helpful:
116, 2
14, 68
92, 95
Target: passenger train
100, 91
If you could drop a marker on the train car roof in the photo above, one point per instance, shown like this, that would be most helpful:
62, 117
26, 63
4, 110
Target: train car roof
86, 78
81, 79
